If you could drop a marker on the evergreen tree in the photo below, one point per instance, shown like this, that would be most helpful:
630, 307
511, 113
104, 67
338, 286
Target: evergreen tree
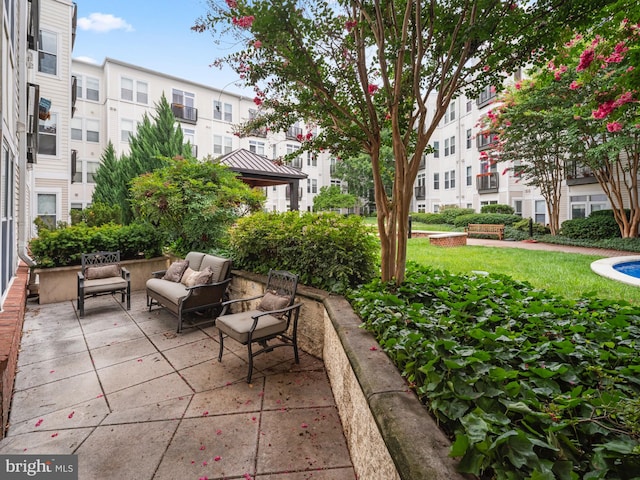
156, 139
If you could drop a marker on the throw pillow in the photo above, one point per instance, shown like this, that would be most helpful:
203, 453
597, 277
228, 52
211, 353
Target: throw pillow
185, 276
105, 271
270, 301
198, 277
176, 270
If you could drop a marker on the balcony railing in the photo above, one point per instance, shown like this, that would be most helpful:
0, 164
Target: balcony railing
486, 141
74, 166
74, 94
488, 182
259, 132
420, 192
184, 113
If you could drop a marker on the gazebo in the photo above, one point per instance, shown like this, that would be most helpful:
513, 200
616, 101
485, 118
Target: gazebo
258, 171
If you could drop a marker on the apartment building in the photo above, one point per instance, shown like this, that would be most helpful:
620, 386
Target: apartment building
458, 174
112, 98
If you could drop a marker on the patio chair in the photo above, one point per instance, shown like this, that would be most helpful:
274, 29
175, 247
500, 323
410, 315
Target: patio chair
275, 317
101, 274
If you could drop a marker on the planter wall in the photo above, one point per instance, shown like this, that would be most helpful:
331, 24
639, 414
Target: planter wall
61, 283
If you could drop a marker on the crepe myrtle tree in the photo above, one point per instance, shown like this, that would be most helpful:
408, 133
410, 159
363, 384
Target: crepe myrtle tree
355, 68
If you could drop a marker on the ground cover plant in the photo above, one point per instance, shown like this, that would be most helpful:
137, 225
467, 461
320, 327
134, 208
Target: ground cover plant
566, 274
527, 384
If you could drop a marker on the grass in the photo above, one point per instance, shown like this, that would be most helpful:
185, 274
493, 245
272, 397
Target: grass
566, 274
418, 226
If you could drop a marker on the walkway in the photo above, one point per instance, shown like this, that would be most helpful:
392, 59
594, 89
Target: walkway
548, 247
135, 400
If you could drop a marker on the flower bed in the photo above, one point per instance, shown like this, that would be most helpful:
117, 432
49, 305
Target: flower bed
528, 385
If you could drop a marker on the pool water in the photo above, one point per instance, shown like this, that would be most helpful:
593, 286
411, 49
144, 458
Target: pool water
629, 268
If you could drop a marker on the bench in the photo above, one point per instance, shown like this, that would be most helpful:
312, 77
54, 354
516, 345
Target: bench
485, 229
199, 287
102, 274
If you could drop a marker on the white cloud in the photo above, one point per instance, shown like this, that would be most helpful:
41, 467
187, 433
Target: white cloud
103, 22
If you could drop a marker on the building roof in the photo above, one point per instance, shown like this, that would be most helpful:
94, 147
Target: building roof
259, 171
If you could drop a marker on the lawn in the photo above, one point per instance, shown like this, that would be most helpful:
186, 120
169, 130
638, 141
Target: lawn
566, 274
417, 226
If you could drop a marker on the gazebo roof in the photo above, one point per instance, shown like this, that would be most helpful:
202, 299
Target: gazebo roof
259, 171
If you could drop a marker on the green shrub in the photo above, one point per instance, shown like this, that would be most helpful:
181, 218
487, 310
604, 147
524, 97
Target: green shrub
327, 250
620, 244
449, 214
492, 218
428, 218
523, 226
65, 246
97, 214
529, 385
497, 208
511, 233
593, 227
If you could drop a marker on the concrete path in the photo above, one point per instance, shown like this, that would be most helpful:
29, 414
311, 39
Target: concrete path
134, 400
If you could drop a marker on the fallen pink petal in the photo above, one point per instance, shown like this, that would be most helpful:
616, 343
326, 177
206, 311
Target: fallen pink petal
304, 425
39, 422
373, 349
54, 435
71, 414
202, 447
217, 458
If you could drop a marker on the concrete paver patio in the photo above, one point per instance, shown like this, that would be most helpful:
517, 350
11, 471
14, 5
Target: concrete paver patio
135, 400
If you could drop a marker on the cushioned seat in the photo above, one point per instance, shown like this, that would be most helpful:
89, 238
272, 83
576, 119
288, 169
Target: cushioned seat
272, 316
101, 274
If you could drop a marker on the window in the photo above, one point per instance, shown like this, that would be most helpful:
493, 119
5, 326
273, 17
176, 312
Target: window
221, 110
93, 130
221, 145
217, 110
312, 185
469, 105
142, 95
446, 147
47, 208
541, 212
93, 89
76, 129
78, 85
486, 96
228, 112
453, 145
436, 149
517, 207
296, 162
436, 181
77, 176
450, 116
47, 135
584, 205
453, 178
181, 97
126, 89
312, 159
256, 147
469, 177
469, 138
126, 130
7, 228
48, 53
92, 168
447, 182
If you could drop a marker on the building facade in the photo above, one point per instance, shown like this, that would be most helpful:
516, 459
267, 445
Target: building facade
458, 174
112, 98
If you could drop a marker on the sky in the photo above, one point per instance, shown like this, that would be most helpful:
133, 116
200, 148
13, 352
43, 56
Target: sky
155, 35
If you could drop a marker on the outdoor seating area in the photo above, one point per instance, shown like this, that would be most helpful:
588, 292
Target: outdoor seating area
122, 384
102, 274
485, 229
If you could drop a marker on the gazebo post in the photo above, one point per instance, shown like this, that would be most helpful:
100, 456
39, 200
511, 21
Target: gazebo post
295, 201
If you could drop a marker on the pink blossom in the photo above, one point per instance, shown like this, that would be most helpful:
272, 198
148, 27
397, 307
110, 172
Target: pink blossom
232, 3
614, 126
257, 101
257, 44
585, 59
373, 88
603, 110
630, 68
518, 85
350, 25
614, 58
486, 68
626, 97
574, 85
243, 22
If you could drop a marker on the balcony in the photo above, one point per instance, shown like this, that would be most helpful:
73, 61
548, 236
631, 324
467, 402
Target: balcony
488, 182
294, 133
185, 114
579, 175
259, 132
420, 192
33, 121
485, 141
74, 94
74, 166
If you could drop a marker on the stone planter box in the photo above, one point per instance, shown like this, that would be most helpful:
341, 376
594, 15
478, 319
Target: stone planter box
61, 283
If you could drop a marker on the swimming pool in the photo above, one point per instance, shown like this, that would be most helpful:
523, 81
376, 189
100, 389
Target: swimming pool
622, 269
629, 268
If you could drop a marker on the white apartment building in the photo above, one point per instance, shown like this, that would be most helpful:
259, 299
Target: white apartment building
457, 174
113, 97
